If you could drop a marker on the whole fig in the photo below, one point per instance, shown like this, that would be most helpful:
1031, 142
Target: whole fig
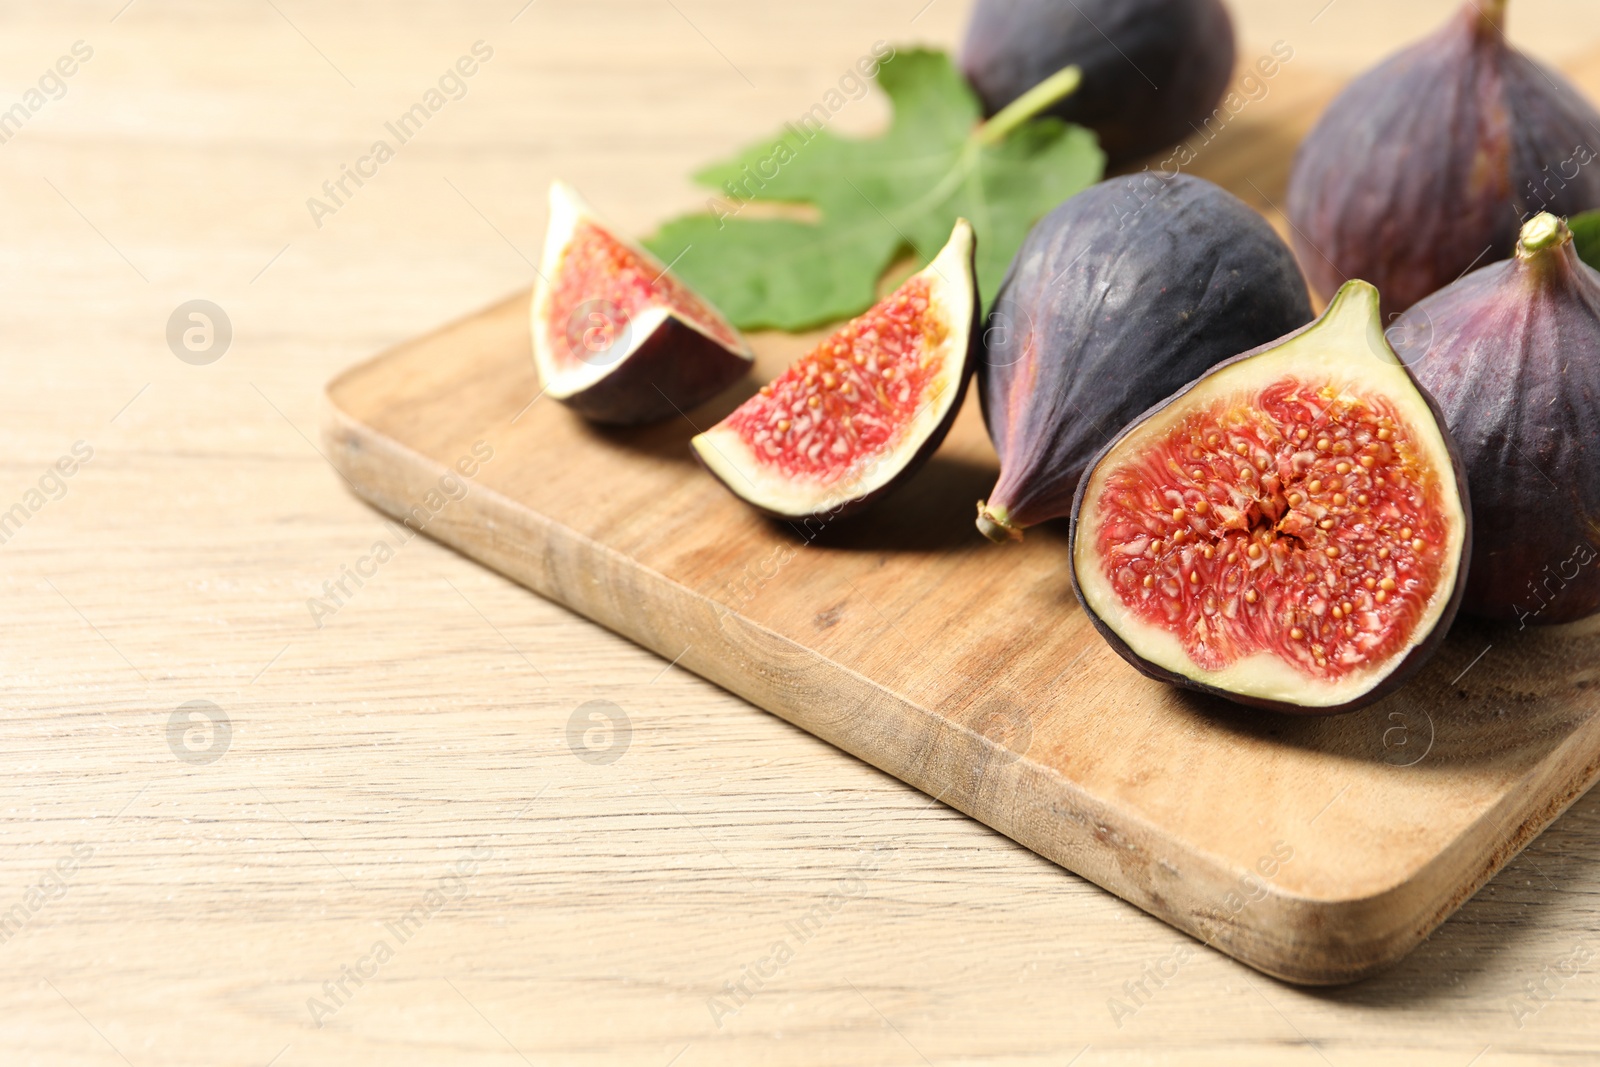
1512, 354
1152, 69
1426, 165
1117, 298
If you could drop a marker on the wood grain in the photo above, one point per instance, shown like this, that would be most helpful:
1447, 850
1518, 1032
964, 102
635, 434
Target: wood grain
370, 755
1317, 850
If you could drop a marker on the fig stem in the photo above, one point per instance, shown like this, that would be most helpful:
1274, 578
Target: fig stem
995, 524
1052, 90
1542, 231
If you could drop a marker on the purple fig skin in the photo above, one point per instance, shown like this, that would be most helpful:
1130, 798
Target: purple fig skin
1153, 70
1425, 166
1404, 671
1512, 354
675, 369
1124, 293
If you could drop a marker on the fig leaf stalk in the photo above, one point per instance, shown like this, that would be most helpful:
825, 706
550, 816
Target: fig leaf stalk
1060, 85
991, 133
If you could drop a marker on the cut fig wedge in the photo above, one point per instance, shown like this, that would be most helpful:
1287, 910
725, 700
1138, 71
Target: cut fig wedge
858, 414
616, 336
1289, 532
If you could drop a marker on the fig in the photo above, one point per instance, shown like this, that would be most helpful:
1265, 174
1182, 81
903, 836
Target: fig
860, 413
1152, 69
1424, 166
1290, 531
616, 337
1123, 294
1512, 354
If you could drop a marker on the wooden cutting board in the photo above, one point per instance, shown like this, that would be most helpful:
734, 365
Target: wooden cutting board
1317, 850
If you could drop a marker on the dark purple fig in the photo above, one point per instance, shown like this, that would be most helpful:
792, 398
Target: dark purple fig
616, 336
1153, 70
1121, 295
1512, 354
1425, 166
860, 413
1291, 531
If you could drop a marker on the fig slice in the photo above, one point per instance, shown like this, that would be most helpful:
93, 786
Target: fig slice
1289, 532
616, 336
861, 412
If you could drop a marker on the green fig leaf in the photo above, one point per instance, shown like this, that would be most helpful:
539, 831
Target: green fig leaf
876, 200
1586, 236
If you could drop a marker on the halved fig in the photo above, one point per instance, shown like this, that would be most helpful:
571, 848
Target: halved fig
616, 336
1290, 531
858, 414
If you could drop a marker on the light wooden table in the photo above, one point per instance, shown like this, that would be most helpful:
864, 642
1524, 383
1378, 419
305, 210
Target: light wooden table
412, 753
